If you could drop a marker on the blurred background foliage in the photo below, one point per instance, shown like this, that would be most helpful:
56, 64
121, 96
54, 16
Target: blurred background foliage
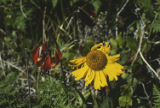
131, 27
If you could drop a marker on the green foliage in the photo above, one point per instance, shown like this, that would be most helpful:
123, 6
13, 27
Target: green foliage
54, 3
156, 93
77, 25
9, 92
146, 5
96, 4
72, 2
53, 93
156, 24
125, 99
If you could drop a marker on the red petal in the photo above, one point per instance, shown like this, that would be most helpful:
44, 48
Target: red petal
55, 60
93, 12
47, 63
53, 65
37, 52
59, 53
35, 55
44, 46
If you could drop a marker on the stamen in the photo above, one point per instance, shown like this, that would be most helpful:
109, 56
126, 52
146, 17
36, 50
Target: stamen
96, 60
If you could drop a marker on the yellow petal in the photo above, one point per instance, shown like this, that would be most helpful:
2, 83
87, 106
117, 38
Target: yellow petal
78, 61
96, 46
89, 77
97, 82
103, 79
113, 70
105, 49
112, 59
80, 73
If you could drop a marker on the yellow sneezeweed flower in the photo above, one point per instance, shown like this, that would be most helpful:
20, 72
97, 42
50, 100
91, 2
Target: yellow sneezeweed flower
97, 65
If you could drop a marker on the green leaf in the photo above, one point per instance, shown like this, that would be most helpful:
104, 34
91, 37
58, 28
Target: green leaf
105, 103
7, 39
124, 76
2, 71
146, 5
156, 26
72, 2
127, 91
27, 43
132, 43
158, 1
54, 3
95, 101
156, 93
119, 40
96, 4
140, 61
20, 22
125, 101
124, 56
113, 43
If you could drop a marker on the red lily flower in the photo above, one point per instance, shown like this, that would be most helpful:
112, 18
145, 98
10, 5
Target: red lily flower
43, 59
52, 62
47, 63
57, 57
37, 53
55, 60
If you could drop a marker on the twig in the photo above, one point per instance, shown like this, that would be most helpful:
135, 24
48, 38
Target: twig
2, 31
119, 12
140, 44
69, 23
17, 68
122, 7
14, 66
61, 28
139, 51
48, 25
147, 96
36, 5
157, 59
21, 8
144, 60
1, 63
44, 27
83, 10
64, 29
155, 43
81, 95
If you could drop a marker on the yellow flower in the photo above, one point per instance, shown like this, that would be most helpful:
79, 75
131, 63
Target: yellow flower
97, 65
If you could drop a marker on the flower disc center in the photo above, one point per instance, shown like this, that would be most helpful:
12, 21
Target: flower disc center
96, 60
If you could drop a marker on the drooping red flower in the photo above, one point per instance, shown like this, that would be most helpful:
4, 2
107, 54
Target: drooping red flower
35, 55
57, 57
47, 63
43, 58
38, 52
55, 60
